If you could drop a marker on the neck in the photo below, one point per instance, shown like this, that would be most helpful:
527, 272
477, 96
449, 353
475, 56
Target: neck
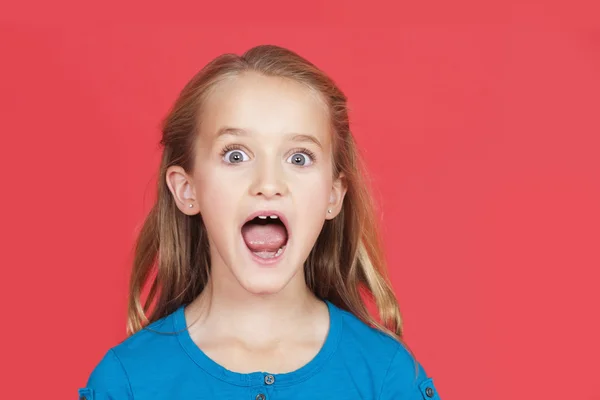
225, 307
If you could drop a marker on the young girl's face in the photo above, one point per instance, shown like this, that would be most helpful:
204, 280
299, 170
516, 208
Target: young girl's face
264, 148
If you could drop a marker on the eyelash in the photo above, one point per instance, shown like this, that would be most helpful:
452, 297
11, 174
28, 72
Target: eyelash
306, 151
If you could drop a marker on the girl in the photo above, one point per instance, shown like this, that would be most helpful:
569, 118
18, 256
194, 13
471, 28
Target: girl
259, 250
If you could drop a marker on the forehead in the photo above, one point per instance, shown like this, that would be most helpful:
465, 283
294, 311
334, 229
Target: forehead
267, 106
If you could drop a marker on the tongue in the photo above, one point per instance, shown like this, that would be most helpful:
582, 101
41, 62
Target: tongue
269, 237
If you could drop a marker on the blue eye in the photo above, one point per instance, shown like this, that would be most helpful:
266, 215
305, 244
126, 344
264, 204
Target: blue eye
301, 159
235, 156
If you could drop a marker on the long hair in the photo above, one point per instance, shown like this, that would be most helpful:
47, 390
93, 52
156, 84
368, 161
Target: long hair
347, 262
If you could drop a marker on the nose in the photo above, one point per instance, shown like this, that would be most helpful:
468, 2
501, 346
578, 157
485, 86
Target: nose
269, 180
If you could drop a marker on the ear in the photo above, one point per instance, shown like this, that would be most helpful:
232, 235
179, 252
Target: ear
183, 191
336, 199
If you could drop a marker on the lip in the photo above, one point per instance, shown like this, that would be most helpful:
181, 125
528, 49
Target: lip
281, 216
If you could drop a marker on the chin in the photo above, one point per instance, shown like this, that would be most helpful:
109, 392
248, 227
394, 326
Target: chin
264, 286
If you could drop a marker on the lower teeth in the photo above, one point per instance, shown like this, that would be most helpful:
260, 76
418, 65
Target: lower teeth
279, 251
270, 254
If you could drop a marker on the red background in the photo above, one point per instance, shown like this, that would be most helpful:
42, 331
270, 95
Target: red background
478, 120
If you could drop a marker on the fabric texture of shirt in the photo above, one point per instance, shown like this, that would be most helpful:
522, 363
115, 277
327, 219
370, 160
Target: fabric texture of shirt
356, 361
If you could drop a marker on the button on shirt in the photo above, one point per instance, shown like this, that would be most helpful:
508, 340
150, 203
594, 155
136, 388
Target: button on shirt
269, 379
355, 362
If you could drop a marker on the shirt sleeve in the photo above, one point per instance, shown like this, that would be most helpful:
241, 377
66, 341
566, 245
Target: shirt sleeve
405, 382
108, 381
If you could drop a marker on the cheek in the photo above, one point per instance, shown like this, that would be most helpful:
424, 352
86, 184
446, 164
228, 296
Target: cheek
218, 198
311, 197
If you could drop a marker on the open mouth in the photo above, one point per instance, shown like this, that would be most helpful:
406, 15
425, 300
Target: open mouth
265, 235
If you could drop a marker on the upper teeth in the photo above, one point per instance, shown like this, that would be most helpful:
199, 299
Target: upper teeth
265, 217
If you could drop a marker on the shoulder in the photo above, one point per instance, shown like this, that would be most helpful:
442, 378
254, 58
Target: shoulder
406, 378
108, 378
396, 373
121, 366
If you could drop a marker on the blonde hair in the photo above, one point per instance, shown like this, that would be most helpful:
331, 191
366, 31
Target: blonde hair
347, 260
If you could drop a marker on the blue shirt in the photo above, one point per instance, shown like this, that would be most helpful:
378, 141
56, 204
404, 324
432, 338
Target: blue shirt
356, 361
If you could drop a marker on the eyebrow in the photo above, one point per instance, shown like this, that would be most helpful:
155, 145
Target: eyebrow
296, 137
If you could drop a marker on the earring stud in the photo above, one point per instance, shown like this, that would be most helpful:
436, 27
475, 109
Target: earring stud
329, 211
191, 205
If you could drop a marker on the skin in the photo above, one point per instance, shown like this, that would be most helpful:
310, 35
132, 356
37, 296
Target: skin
253, 317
